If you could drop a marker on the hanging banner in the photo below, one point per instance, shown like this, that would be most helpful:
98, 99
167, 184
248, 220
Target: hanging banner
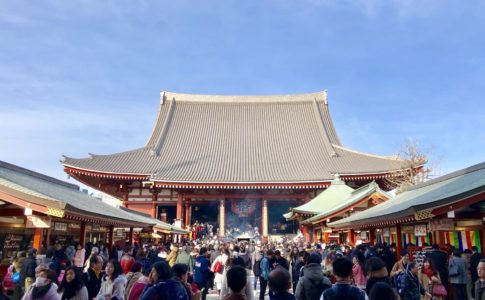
441, 224
37, 222
407, 229
386, 232
60, 226
420, 230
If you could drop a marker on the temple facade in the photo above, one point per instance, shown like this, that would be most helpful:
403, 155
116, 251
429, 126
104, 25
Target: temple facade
232, 161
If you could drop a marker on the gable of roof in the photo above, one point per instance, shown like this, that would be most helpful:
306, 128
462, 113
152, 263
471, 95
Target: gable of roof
356, 196
337, 192
437, 192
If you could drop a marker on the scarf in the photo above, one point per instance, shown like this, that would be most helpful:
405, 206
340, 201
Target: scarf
70, 290
40, 291
429, 272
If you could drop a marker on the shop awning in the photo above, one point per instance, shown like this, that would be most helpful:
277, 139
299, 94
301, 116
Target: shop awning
421, 200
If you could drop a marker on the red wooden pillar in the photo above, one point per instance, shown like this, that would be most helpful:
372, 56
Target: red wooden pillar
351, 237
179, 206
441, 238
48, 237
325, 237
372, 236
399, 241
130, 237
82, 234
37, 243
110, 237
187, 213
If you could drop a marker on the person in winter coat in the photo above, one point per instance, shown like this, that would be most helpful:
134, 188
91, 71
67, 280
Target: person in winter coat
428, 276
440, 260
27, 271
358, 270
72, 286
313, 282
201, 272
480, 283
132, 277
127, 261
138, 287
411, 289
113, 282
376, 270
78, 260
265, 269
343, 289
92, 276
223, 260
296, 268
172, 256
247, 290
457, 274
43, 288
184, 257
161, 286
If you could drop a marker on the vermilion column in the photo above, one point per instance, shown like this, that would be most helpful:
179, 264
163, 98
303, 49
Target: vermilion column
110, 238
351, 237
82, 234
130, 237
399, 241
179, 206
187, 212
222, 218
264, 219
37, 238
372, 236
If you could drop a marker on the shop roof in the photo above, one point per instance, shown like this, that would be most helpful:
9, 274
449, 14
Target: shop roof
356, 196
62, 196
241, 140
438, 192
331, 197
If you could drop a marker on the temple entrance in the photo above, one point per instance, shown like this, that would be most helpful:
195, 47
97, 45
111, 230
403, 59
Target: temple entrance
167, 213
205, 213
277, 224
243, 217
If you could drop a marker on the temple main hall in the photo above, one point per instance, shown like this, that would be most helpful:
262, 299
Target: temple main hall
232, 161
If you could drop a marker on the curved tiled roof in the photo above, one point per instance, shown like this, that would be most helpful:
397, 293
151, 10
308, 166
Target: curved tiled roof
240, 139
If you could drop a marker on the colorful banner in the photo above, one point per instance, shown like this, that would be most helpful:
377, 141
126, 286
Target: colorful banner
418, 241
463, 239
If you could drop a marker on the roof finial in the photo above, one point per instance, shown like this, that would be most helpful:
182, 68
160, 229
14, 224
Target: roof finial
162, 97
325, 99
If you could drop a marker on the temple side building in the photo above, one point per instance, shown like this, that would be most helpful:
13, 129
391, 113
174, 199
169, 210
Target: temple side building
232, 161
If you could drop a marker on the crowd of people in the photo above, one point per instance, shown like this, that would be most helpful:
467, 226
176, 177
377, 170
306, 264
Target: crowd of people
284, 269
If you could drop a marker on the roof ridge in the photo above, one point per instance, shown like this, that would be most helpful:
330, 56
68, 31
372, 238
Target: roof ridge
304, 97
448, 176
323, 131
393, 157
38, 175
155, 151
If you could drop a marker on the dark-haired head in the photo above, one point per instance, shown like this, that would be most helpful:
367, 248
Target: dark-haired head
279, 280
113, 269
428, 264
203, 251
382, 291
313, 258
236, 278
238, 261
342, 267
161, 271
180, 270
375, 265
457, 252
71, 283
136, 267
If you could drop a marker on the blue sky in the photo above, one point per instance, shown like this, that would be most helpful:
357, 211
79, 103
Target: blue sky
84, 76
